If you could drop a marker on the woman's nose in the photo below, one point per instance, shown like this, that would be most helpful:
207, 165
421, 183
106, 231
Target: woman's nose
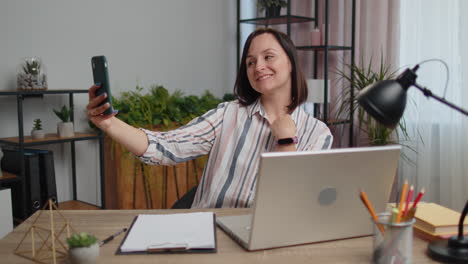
260, 65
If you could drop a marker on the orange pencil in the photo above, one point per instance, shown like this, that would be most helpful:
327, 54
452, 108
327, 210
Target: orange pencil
402, 201
369, 207
408, 199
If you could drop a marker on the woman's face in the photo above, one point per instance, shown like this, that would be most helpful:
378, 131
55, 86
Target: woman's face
268, 66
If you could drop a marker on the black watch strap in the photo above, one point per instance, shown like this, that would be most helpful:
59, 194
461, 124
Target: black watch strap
287, 141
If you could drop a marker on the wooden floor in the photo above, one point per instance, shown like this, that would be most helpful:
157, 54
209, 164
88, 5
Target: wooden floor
76, 205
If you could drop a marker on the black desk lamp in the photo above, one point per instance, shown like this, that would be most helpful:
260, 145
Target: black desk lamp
386, 101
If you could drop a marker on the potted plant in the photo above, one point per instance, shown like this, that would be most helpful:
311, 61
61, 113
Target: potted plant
64, 128
31, 75
83, 248
362, 76
272, 7
37, 132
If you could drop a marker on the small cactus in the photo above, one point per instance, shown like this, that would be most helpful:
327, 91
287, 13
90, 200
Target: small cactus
37, 124
82, 239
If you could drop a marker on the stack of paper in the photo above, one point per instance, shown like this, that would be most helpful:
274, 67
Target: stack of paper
186, 231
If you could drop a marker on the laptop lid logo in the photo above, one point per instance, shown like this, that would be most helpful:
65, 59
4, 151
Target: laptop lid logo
327, 196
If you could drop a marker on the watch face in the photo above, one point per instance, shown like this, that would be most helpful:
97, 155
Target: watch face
285, 141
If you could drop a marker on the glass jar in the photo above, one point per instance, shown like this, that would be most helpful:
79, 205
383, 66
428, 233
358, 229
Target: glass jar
31, 74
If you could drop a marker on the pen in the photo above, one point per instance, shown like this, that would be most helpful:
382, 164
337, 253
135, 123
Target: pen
408, 199
402, 201
112, 237
371, 211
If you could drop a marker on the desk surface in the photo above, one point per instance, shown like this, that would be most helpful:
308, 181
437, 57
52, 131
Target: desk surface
103, 223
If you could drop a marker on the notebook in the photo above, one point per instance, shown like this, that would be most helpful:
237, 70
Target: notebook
306, 197
437, 219
168, 233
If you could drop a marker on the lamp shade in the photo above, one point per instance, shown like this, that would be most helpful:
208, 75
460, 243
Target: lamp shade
385, 101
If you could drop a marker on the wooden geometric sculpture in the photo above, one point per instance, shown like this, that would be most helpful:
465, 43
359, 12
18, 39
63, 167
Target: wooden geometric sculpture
47, 242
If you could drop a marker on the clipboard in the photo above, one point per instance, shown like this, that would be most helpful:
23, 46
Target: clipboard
172, 248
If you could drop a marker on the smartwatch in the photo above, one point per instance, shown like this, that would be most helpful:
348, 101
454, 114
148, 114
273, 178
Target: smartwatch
288, 141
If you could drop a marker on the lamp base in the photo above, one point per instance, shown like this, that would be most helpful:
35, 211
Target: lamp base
452, 250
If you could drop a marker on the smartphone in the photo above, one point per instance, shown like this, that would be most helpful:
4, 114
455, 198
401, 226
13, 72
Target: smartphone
101, 75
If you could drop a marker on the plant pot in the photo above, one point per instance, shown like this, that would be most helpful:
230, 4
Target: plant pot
84, 255
273, 11
65, 129
37, 134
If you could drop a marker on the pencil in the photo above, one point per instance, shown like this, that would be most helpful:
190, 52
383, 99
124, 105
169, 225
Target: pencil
416, 201
369, 207
408, 199
402, 201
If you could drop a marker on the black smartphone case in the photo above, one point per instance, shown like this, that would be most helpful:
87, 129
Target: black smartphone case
101, 75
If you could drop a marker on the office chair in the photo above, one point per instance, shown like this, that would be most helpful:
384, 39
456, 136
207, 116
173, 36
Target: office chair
185, 202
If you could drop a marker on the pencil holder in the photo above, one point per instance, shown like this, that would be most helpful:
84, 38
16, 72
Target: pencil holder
395, 243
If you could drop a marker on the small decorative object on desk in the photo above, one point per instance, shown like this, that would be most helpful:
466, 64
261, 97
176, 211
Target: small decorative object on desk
83, 248
395, 243
37, 132
393, 232
31, 75
65, 128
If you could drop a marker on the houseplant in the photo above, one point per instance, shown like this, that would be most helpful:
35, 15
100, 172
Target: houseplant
272, 7
83, 248
37, 132
31, 75
362, 76
64, 128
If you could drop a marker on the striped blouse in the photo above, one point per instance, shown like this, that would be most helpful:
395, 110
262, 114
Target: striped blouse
234, 136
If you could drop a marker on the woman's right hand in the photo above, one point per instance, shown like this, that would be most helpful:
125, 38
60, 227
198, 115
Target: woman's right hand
95, 112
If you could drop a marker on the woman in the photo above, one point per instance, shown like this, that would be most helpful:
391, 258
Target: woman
267, 116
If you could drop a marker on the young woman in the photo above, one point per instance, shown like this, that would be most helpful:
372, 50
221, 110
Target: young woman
268, 115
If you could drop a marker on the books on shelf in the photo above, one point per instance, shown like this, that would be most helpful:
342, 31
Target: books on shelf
434, 221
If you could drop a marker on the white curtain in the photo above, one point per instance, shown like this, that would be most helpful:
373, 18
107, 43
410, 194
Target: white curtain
439, 135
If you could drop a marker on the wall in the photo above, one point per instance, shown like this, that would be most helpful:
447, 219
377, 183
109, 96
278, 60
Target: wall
184, 45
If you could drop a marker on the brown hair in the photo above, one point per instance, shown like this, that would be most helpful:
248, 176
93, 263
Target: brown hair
244, 91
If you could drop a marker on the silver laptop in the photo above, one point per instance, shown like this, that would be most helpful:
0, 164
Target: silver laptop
313, 196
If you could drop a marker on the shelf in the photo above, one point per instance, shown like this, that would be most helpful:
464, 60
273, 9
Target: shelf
49, 139
8, 177
323, 48
277, 20
39, 92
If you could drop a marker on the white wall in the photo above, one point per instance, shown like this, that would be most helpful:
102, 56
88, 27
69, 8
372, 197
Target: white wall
182, 44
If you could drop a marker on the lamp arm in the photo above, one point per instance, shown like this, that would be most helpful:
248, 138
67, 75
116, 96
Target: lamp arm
428, 93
